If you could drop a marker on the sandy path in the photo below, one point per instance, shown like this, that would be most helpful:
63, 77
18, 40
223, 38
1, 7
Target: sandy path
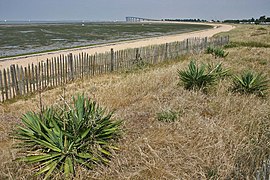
25, 60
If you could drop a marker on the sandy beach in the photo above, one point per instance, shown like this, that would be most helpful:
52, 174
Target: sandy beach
28, 59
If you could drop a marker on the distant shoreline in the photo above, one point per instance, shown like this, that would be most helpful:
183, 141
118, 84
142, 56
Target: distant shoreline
28, 59
28, 39
54, 22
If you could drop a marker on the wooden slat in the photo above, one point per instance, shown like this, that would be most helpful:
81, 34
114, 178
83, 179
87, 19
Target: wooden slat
9, 84
58, 72
75, 75
63, 69
2, 87
39, 77
51, 72
23, 83
66, 69
47, 73
36, 78
18, 79
26, 79
14, 80
55, 72
6, 84
88, 64
42, 84
33, 78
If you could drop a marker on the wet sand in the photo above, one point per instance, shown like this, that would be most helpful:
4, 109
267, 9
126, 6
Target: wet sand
35, 58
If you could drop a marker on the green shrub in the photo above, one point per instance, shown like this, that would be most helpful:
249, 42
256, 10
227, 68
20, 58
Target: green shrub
196, 78
218, 70
217, 52
251, 83
140, 64
167, 116
209, 50
61, 138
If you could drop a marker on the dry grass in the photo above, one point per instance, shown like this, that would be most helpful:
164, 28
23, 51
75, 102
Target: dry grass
258, 34
216, 135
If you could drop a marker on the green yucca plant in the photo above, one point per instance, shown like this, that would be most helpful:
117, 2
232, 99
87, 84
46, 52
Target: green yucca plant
61, 138
251, 83
217, 52
209, 50
218, 70
196, 78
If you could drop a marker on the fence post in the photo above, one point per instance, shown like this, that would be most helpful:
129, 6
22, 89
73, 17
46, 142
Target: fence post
2, 87
205, 42
112, 59
37, 78
47, 76
23, 77
187, 46
6, 84
166, 50
33, 83
137, 56
26, 79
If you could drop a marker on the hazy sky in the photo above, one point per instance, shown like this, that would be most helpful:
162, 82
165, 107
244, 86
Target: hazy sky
118, 9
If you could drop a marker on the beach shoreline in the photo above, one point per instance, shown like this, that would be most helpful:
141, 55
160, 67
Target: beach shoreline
91, 50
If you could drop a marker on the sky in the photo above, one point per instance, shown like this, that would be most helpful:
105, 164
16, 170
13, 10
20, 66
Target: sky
110, 10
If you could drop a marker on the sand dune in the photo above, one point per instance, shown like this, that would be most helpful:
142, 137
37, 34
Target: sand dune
28, 59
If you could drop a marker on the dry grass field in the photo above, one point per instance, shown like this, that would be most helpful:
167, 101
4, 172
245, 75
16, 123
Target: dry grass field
218, 135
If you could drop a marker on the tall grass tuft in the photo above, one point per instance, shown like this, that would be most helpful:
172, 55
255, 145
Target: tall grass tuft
61, 138
251, 83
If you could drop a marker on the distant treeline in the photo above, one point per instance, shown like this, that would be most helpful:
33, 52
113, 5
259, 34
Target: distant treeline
261, 20
186, 20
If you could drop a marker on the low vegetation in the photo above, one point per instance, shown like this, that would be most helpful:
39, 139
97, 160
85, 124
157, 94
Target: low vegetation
169, 132
196, 77
251, 83
60, 138
201, 77
218, 70
217, 52
167, 116
249, 36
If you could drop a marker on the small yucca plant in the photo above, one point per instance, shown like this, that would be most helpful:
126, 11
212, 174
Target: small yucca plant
209, 50
218, 70
61, 138
196, 78
251, 83
218, 52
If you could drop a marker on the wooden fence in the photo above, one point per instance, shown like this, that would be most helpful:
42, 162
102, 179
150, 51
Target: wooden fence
19, 81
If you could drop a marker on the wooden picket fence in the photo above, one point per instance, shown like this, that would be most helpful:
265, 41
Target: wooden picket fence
20, 81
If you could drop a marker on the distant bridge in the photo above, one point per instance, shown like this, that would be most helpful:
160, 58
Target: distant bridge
138, 19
